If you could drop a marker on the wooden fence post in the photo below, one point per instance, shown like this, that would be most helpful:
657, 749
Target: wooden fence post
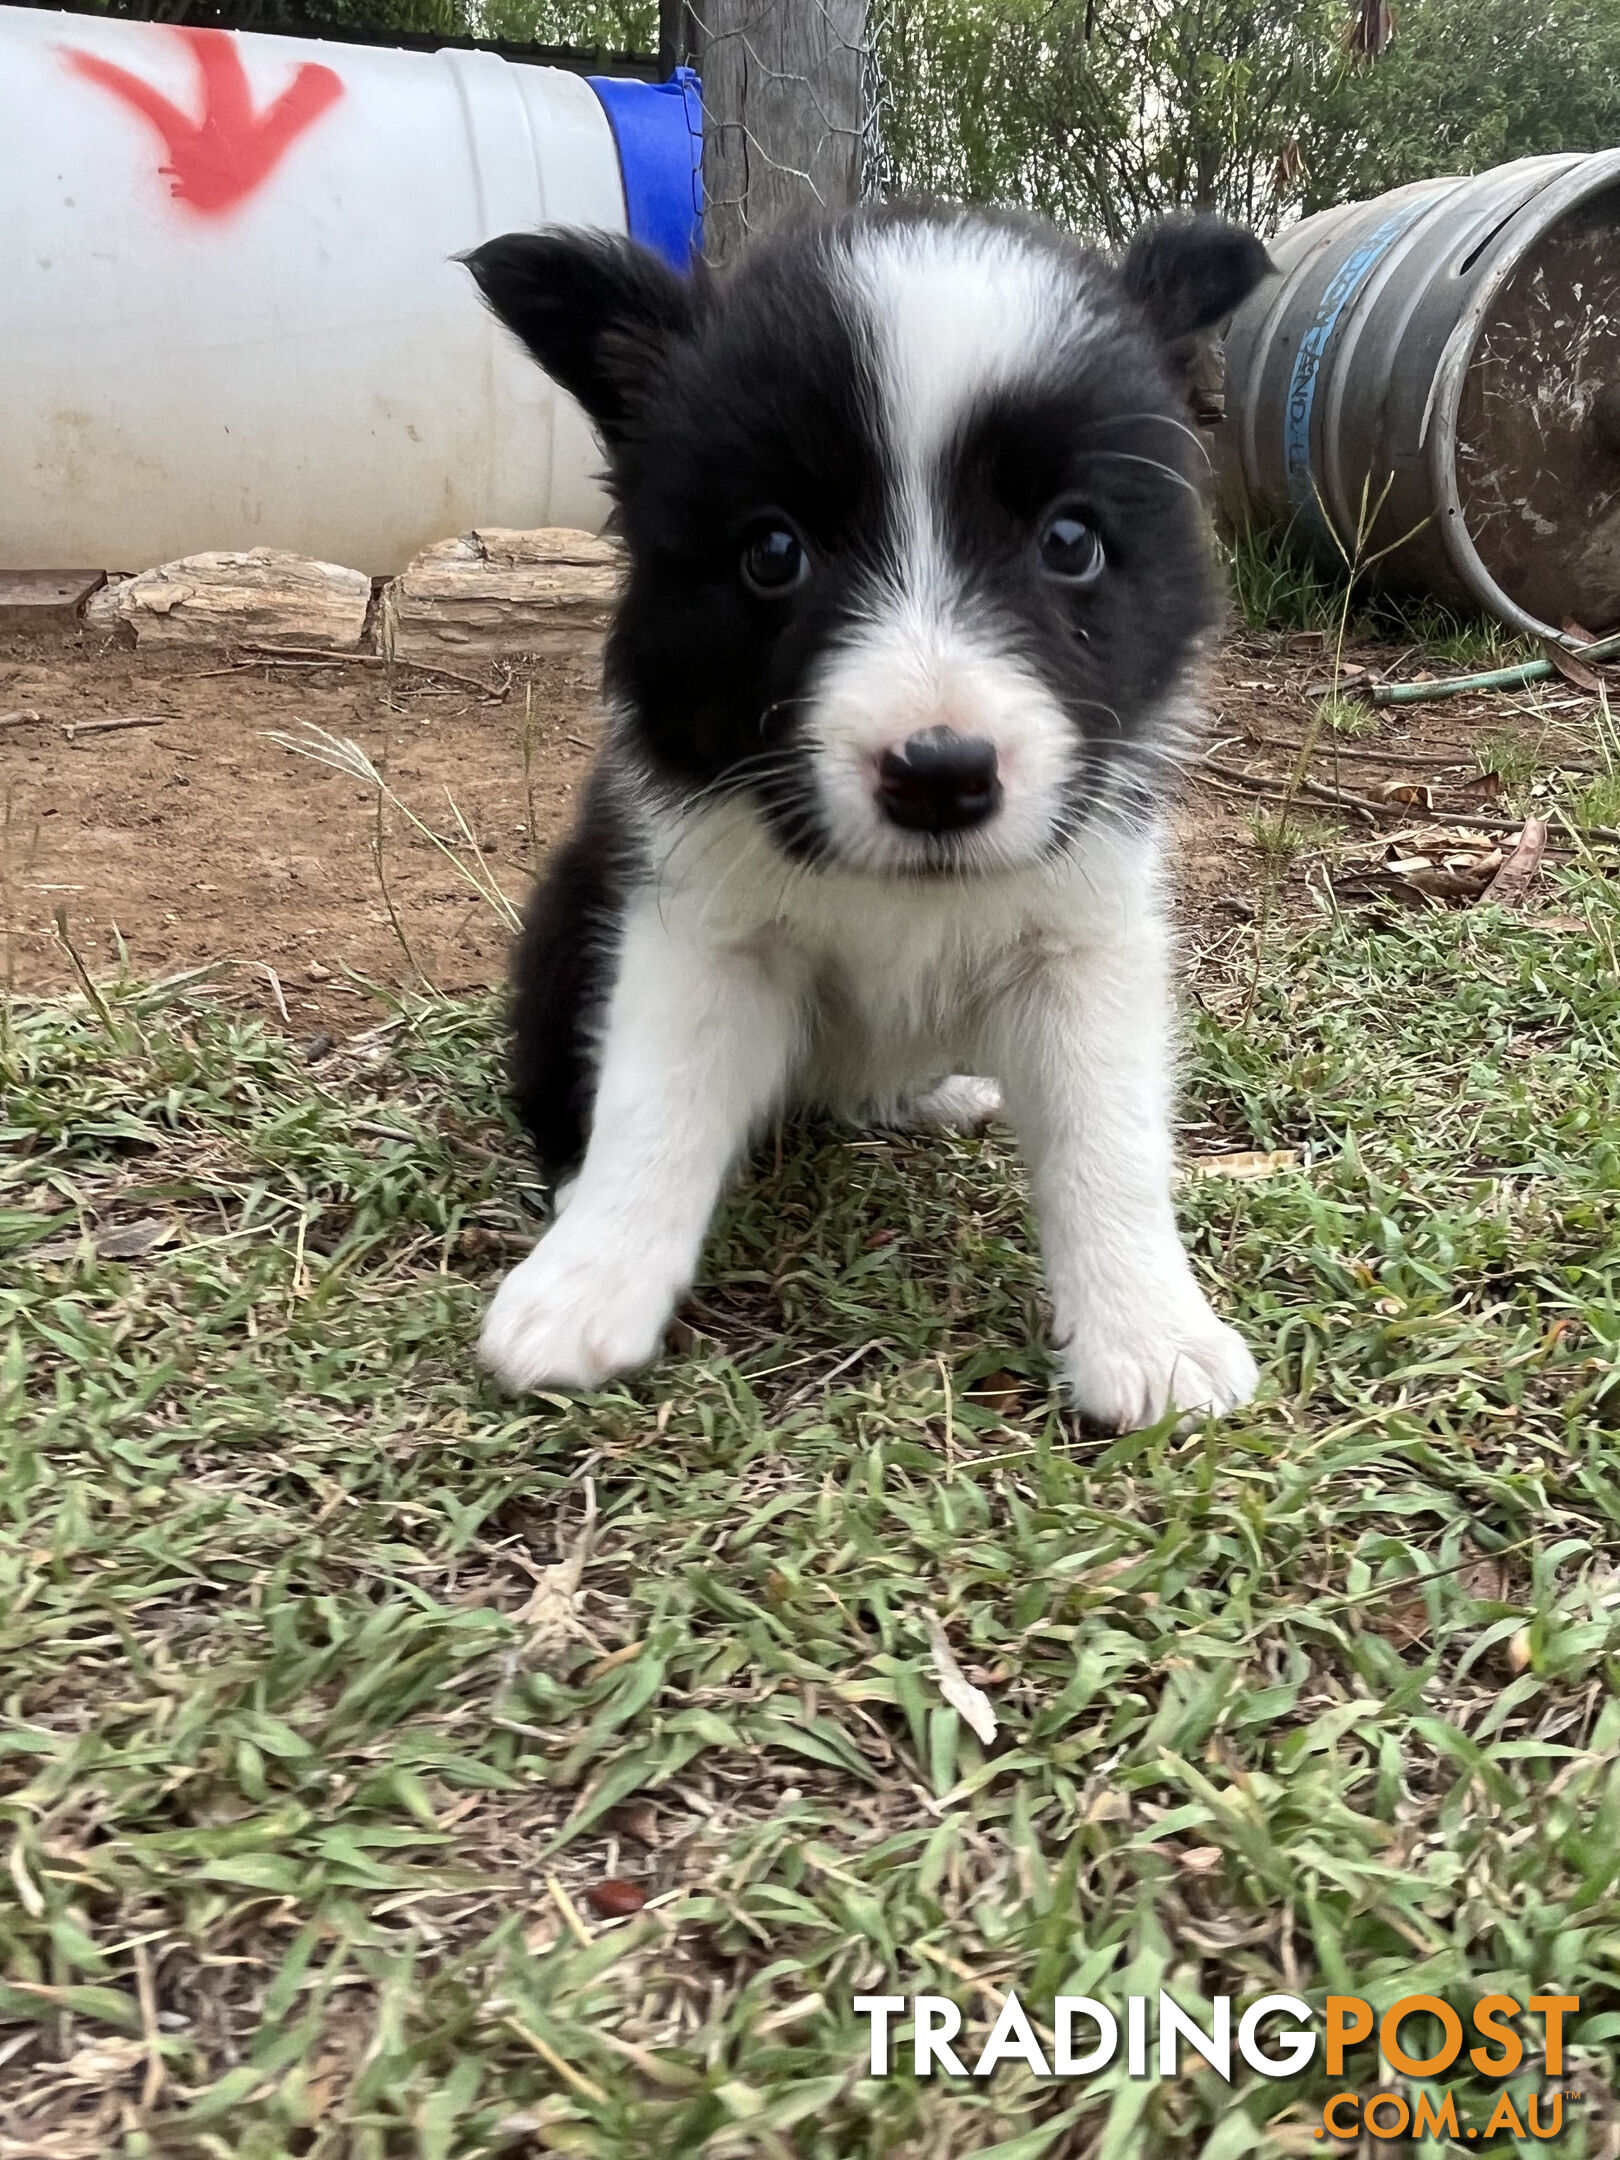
784, 83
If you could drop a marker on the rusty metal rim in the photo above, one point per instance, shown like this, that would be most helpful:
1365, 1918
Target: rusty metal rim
1589, 177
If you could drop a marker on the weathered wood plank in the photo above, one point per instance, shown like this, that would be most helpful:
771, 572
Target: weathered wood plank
494, 594
260, 595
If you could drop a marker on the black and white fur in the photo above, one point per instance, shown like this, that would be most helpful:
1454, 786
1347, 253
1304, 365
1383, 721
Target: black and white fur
902, 479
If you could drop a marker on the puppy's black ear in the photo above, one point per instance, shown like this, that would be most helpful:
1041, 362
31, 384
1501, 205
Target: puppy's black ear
599, 314
1188, 273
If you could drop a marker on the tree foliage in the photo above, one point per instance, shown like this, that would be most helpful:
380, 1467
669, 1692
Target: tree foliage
1467, 84
1104, 112
1100, 112
605, 26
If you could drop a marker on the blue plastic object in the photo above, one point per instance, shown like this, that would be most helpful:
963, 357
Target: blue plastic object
658, 128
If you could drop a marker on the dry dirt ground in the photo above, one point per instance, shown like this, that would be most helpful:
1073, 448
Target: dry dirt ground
203, 840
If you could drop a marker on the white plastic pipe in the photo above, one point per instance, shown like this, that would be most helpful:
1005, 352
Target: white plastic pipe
229, 311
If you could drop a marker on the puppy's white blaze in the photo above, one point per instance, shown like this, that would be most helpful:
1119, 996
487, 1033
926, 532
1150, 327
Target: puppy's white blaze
955, 312
952, 314
912, 667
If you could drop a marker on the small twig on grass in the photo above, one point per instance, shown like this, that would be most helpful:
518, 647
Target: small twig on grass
1357, 562
72, 729
395, 924
1322, 1603
275, 991
1297, 786
307, 657
527, 746
86, 984
1394, 756
826, 1379
157, 2075
564, 2070
1471, 820
346, 756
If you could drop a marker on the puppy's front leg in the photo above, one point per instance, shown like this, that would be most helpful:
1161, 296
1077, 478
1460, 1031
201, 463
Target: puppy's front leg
696, 1050
1084, 1061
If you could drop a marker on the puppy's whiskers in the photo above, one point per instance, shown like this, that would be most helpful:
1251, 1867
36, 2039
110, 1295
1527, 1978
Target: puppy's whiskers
1132, 457
1154, 419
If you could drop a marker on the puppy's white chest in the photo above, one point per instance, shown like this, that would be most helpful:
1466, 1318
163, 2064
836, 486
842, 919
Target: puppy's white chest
898, 971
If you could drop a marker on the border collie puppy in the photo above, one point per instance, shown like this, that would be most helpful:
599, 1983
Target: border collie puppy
917, 582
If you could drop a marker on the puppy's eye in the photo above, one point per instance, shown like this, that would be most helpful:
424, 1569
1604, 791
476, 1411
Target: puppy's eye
1070, 549
774, 561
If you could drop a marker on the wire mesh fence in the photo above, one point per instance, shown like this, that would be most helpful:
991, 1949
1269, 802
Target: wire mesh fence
792, 111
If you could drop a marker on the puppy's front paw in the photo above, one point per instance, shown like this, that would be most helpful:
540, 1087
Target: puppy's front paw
963, 1103
575, 1314
1126, 1368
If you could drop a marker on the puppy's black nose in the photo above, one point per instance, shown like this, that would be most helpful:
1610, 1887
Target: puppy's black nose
939, 782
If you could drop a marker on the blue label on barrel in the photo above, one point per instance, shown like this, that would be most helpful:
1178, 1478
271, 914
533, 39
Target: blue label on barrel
1342, 288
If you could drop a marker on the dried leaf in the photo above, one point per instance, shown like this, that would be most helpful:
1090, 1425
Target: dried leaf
1518, 1651
1200, 1859
119, 1241
1481, 787
1246, 1164
105, 2062
551, 1612
130, 1241
1458, 879
1350, 678
1513, 880
1488, 1580
1403, 1622
1573, 671
1415, 794
28, 1895
971, 1704
637, 1819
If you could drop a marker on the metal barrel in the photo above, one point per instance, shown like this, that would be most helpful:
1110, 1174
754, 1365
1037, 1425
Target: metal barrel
1440, 368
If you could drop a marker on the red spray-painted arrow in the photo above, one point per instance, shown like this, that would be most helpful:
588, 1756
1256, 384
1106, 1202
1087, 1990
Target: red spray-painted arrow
218, 161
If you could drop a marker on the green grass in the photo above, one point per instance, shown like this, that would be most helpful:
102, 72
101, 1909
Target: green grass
1452, 643
307, 1766
1280, 837
1278, 584
1348, 716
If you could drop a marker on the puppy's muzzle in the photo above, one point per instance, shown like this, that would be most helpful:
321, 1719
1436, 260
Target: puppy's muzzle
939, 782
